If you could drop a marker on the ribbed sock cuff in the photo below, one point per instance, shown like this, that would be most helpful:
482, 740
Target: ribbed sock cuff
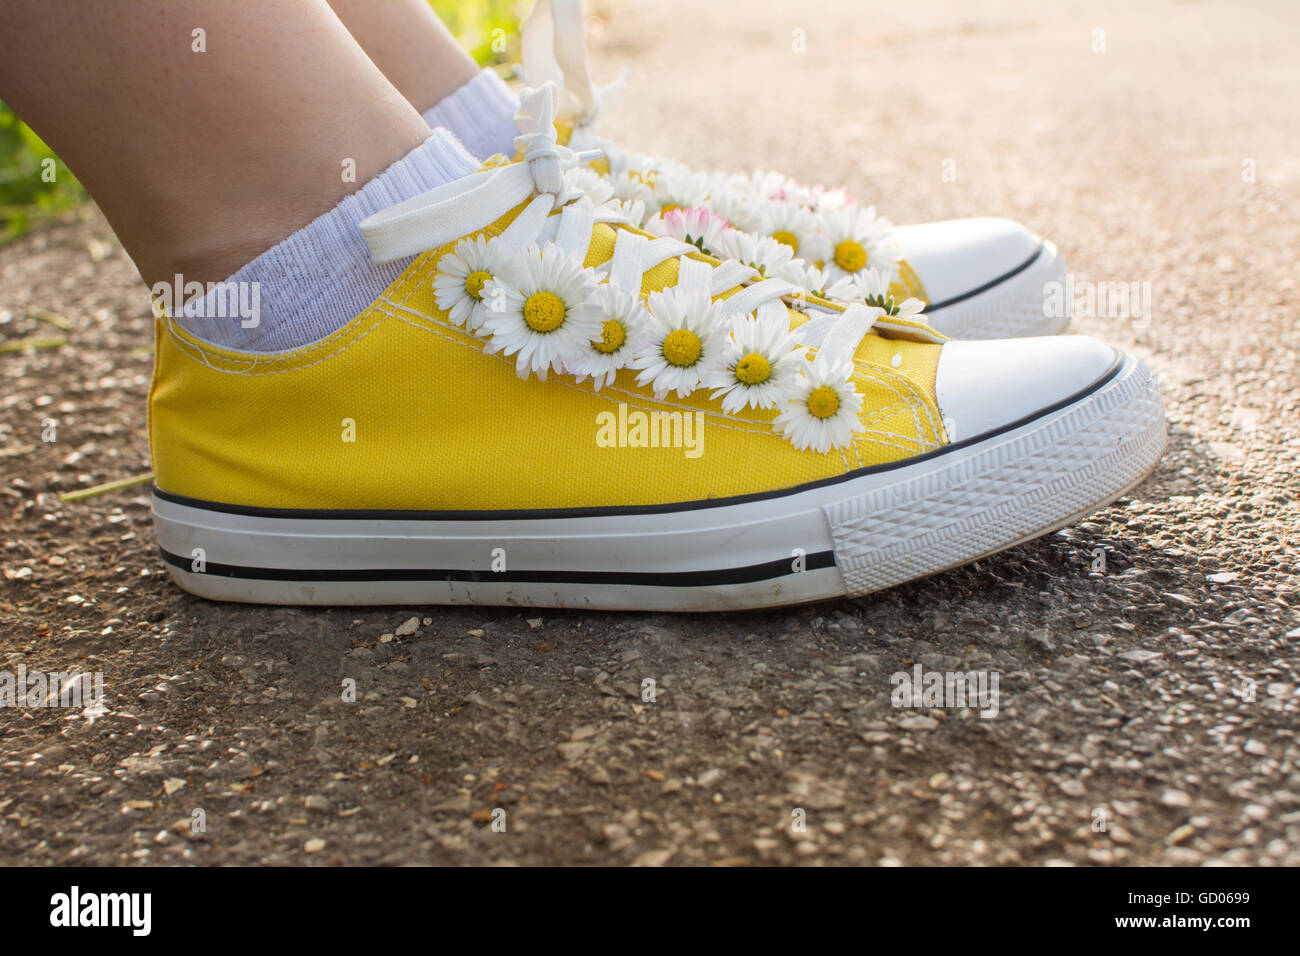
482, 114
318, 279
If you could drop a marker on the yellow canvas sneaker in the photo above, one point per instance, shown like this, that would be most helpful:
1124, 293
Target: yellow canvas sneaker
979, 278
551, 407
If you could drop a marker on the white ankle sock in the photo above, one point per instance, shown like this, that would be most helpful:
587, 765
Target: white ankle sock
317, 280
481, 113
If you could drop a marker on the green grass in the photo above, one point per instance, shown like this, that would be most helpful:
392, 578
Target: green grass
35, 185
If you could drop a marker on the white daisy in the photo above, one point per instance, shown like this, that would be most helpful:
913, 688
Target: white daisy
719, 182
696, 225
630, 186
633, 210
763, 184
795, 226
826, 199
547, 313
591, 183
797, 193
873, 285
761, 253
821, 283
859, 239
621, 337
737, 207
676, 187
685, 338
821, 410
760, 363
459, 280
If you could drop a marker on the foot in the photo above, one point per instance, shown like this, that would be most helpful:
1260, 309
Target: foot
550, 407
981, 278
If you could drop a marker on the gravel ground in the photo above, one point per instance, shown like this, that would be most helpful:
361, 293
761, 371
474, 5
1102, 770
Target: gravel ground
1146, 657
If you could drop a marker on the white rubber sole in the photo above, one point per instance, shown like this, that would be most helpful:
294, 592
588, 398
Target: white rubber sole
1011, 306
841, 538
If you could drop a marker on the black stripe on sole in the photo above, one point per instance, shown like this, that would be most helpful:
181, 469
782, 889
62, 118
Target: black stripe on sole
1038, 254
670, 579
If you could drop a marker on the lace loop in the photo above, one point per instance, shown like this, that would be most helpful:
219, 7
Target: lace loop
554, 43
544, 158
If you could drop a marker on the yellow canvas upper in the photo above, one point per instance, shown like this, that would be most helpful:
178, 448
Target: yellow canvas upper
436, 424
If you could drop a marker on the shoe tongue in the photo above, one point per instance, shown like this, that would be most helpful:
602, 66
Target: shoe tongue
601, 249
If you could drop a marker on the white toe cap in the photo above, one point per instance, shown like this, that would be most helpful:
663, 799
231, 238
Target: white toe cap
982, 386
958, 256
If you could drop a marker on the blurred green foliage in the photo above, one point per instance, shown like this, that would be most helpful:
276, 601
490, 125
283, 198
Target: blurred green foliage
32, 189
488, 29
33, 183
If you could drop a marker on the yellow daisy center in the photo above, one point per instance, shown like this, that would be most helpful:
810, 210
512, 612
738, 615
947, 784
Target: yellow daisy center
544, 311
787, 238
850, 256
753, 369
475, 281
823, 402
669, 207
612, 337
682, 348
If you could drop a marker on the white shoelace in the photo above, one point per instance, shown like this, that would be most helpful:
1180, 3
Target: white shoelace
554, 46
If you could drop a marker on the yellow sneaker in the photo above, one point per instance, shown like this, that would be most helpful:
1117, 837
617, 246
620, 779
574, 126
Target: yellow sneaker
979, 278
550, 407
